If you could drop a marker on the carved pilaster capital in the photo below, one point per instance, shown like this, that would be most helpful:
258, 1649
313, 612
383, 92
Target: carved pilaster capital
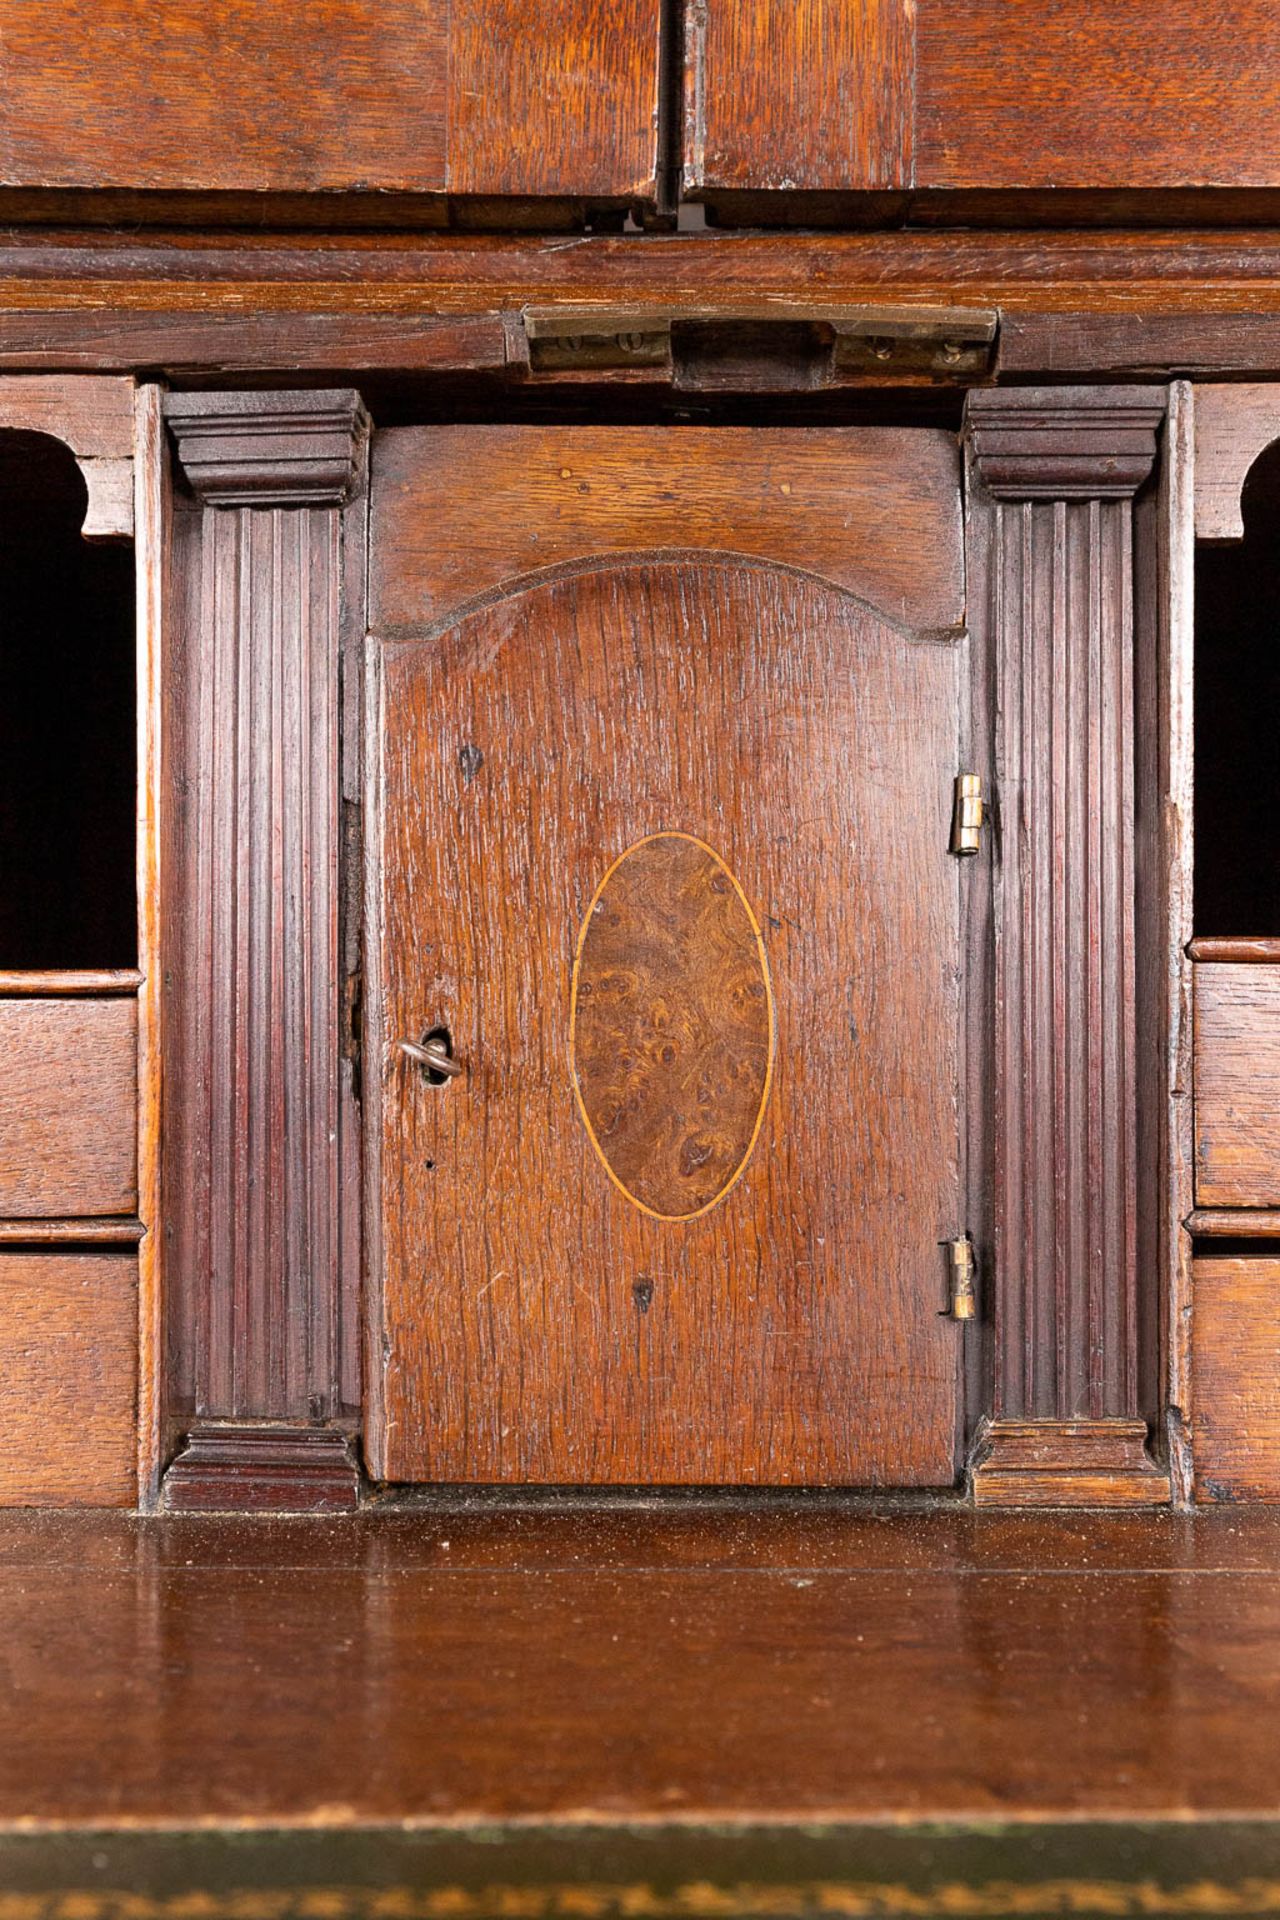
269, 449
1064, 443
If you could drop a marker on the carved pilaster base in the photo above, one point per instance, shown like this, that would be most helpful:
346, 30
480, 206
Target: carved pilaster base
236, 1468
1067, 1463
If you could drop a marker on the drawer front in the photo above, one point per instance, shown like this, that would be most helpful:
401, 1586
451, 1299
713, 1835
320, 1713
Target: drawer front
1236, 1354
68, 1107
1237, 1085
68, 1379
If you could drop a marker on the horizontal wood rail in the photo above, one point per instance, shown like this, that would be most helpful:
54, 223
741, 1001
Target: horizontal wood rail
56, 983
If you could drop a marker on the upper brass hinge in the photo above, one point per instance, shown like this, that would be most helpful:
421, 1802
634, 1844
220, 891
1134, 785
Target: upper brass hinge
964, 1266
967, 813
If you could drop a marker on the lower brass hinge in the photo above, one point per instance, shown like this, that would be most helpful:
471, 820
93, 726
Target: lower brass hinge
967, 814
964, 1299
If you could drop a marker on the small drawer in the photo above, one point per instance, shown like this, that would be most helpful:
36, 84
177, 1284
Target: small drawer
68, 1107
1236, 1362
68, 1379
1237, 1085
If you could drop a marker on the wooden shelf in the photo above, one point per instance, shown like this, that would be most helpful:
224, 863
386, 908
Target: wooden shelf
61, 984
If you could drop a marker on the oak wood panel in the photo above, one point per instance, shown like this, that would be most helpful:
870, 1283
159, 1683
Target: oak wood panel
234, 343
555, 99
368, 96
99, 275
1125, 345
1237, 1085
1020, 94
664, 1667
112, 93
1236, 1340
250, 911
816, 94
68, 1107
1234, 425
876, 512
94, 416
537, 1326
1087, 345
68, 1366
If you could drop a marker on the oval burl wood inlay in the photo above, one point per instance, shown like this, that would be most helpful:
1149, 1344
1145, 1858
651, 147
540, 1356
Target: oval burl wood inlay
672, 1026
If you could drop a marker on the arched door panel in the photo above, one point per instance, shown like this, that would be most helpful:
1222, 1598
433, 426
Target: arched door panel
659, 855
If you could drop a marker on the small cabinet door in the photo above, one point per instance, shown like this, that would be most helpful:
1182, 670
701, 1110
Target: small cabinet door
663, 725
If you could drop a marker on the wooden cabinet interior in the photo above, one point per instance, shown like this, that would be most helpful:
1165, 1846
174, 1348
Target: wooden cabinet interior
70, 1194
236, 933
521, 527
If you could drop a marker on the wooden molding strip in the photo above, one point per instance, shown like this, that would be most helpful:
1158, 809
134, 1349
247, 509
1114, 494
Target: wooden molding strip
1234, 1223
235, 1468
1067, 1463
122, 1231
68, 985
1243, 952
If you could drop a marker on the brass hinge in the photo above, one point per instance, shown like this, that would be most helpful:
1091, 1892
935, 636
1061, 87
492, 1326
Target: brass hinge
964, 1265
967, 813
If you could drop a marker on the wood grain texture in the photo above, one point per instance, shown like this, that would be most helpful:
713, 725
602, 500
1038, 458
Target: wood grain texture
1094, 345
68, 1107
1236, 949
537, 1325
401, 96
876, 512
1237, 1085
1067, 1463
558, 99
127, 94
93, 416
70, 1230
1164, 715
1234, 1223
671, 1026
236, 1468
233, 343
250, 916
1234, 425
1001, 1668
1058, 469
819, 94
1124, 345
153, 520
68, 1365
103, 276
1012, 93
1237, 1369
58, 983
